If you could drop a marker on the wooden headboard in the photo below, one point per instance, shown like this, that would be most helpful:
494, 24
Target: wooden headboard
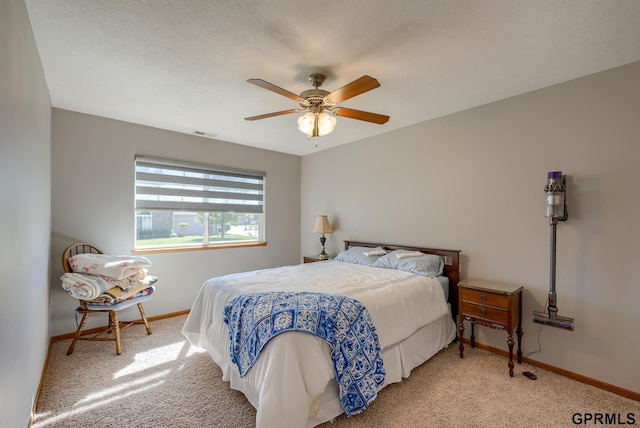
451, 260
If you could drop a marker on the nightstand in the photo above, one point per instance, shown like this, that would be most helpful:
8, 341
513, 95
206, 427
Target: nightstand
492, 304
312, 259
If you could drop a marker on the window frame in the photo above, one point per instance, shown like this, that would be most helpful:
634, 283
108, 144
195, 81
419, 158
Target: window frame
180, 186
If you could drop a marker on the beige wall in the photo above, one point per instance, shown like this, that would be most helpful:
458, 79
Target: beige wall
474, 181
93, 201
471, 181
25, 189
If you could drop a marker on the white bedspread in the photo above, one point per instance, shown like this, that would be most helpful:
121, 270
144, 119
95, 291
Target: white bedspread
399, 303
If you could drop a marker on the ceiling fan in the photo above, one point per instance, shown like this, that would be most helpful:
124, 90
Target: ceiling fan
316, 102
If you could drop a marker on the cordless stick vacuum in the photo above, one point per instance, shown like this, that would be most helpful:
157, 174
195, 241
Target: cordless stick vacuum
556, 211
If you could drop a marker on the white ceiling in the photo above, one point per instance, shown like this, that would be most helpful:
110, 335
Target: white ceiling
182, 65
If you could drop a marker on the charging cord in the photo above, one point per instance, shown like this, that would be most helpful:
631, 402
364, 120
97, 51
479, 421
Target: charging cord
539, 345
546, 308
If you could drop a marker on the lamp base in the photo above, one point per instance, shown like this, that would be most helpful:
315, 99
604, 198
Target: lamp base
323, 255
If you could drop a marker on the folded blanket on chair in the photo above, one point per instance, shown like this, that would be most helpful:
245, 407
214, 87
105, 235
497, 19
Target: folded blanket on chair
90, 287
84, 287
116, 267
117, 294
99, 303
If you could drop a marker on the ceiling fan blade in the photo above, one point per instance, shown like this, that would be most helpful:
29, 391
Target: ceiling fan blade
361, 115
277, 113
276, 89
350, 90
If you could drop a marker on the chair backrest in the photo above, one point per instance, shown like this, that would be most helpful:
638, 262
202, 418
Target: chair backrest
78, 248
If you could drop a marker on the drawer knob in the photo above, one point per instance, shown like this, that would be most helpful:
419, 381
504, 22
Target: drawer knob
483, 298
483, 311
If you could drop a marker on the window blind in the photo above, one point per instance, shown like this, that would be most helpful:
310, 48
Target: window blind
181, 186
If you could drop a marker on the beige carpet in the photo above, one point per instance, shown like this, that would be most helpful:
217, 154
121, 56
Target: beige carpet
161, 381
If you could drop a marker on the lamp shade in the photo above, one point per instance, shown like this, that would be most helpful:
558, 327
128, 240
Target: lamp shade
326, 124
316, 124
322, 225
306, 123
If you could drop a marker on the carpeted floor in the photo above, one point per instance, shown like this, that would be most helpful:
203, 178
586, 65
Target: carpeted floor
161, 381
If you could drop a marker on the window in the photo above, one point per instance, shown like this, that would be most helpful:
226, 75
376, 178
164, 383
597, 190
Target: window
181, 204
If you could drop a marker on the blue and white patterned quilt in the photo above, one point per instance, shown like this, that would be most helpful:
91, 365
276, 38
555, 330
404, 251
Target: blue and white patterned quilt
254, 319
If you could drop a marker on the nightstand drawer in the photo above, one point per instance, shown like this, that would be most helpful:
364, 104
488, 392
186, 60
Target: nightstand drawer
485, 312
484, 298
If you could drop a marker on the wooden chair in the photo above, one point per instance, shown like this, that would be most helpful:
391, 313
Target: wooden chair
113, 328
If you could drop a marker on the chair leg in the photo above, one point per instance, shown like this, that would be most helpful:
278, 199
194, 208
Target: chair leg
78, 332
144, 318
113, 316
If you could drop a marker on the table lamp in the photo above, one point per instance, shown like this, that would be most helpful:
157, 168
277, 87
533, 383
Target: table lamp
322, 226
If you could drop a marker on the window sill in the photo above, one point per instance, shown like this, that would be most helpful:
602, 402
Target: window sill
161, 250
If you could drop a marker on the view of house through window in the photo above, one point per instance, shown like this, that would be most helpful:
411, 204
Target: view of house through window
180, 204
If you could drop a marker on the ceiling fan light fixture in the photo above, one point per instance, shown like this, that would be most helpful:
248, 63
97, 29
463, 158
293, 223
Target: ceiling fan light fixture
306, 123
316, 124
326, 123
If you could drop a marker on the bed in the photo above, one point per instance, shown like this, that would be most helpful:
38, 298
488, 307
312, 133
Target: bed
294, 381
